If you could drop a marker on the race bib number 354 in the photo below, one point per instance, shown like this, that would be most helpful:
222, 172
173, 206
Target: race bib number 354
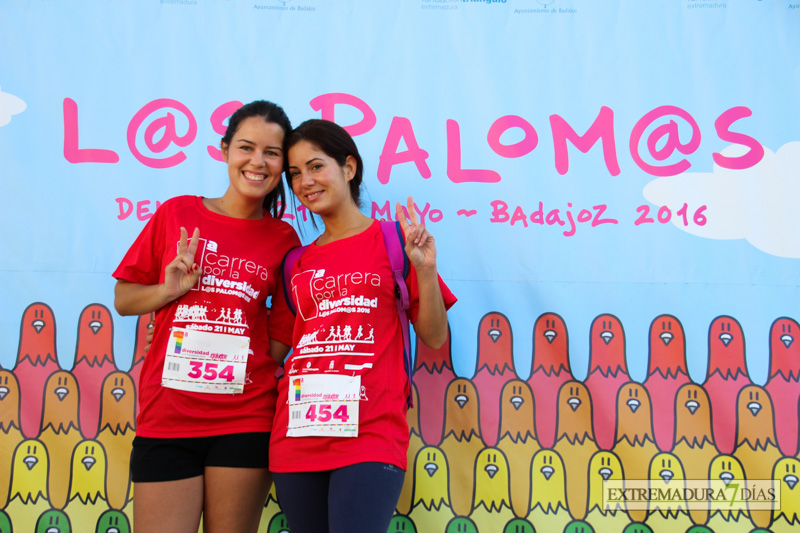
323, 405
199, 361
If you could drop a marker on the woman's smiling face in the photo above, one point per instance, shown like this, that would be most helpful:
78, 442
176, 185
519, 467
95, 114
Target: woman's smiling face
255, 158
318, 181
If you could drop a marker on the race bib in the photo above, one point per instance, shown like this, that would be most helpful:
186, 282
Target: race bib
199, 361
323, 405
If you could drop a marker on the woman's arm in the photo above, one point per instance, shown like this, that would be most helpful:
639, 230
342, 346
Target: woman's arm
431, 324
137, 299
278, 350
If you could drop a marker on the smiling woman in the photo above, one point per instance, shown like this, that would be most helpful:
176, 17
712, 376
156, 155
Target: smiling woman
340, 437
207, 388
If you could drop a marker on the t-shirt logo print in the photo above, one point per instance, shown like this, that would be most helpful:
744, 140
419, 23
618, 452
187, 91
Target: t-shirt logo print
303, 295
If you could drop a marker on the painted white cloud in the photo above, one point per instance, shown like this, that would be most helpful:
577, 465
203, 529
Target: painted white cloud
10, 105
760, 204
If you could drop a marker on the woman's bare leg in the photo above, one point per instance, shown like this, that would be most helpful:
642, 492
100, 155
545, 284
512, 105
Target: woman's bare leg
234, 499
173, 506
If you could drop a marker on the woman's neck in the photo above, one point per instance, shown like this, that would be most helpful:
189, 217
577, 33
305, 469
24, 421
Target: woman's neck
230, 207
345, 224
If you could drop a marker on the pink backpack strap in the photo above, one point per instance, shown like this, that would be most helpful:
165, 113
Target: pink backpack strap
395, 249
287, 267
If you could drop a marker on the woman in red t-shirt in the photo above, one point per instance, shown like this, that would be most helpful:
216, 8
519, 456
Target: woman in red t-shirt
338, 446
207, 388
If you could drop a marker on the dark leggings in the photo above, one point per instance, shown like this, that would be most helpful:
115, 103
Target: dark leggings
360, 497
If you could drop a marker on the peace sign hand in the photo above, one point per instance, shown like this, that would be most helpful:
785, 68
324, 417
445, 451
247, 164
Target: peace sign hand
420, 246
182, 272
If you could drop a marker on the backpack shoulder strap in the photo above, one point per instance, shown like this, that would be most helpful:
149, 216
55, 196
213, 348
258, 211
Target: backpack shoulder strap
395, 249
287, 267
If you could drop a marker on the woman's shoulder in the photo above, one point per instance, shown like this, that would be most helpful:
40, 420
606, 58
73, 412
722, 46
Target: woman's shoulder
178, 203
183, 200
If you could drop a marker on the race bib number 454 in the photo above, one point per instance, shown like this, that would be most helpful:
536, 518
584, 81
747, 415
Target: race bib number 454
199, 361
323, 405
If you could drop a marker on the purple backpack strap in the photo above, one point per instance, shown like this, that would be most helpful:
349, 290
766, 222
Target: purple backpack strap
287, 267
395, 249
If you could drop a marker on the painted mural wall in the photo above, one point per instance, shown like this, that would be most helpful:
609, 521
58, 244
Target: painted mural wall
612, 186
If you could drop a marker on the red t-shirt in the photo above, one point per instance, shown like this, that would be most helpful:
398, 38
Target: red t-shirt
240, 260
345, 300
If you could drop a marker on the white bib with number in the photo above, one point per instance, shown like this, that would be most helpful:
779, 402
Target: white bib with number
323, 405
199, 361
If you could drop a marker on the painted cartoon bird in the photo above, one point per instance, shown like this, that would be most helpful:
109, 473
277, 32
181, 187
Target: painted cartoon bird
726, 376
518, 525
116, 431
87, 488
575, 442
493, 369
549, 371
415, 444
5, 522
548, 506
608, 371
734, 520
783, 384
269, 513
113, 521
10, 430
756, 445
60, 432
144, 324
518, 441
666, 474
786, 518
399, 524
432, 509
278, 524
635, 444
492, 501
28, 496
604, 466
579, 526
667, 372
694, 442
433, 371
462, 441
94, 360
638, 527
36, 360
53, 521
461, 524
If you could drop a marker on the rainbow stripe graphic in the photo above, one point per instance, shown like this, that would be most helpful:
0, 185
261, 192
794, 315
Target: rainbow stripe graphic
178, 340
297, 383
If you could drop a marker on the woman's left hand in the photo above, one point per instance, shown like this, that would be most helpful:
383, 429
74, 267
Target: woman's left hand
420, 246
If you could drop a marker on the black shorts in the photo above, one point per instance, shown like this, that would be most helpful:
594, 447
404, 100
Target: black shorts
173, 459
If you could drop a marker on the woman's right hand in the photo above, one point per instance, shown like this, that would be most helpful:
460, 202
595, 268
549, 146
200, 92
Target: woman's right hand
182, 272
180, 275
